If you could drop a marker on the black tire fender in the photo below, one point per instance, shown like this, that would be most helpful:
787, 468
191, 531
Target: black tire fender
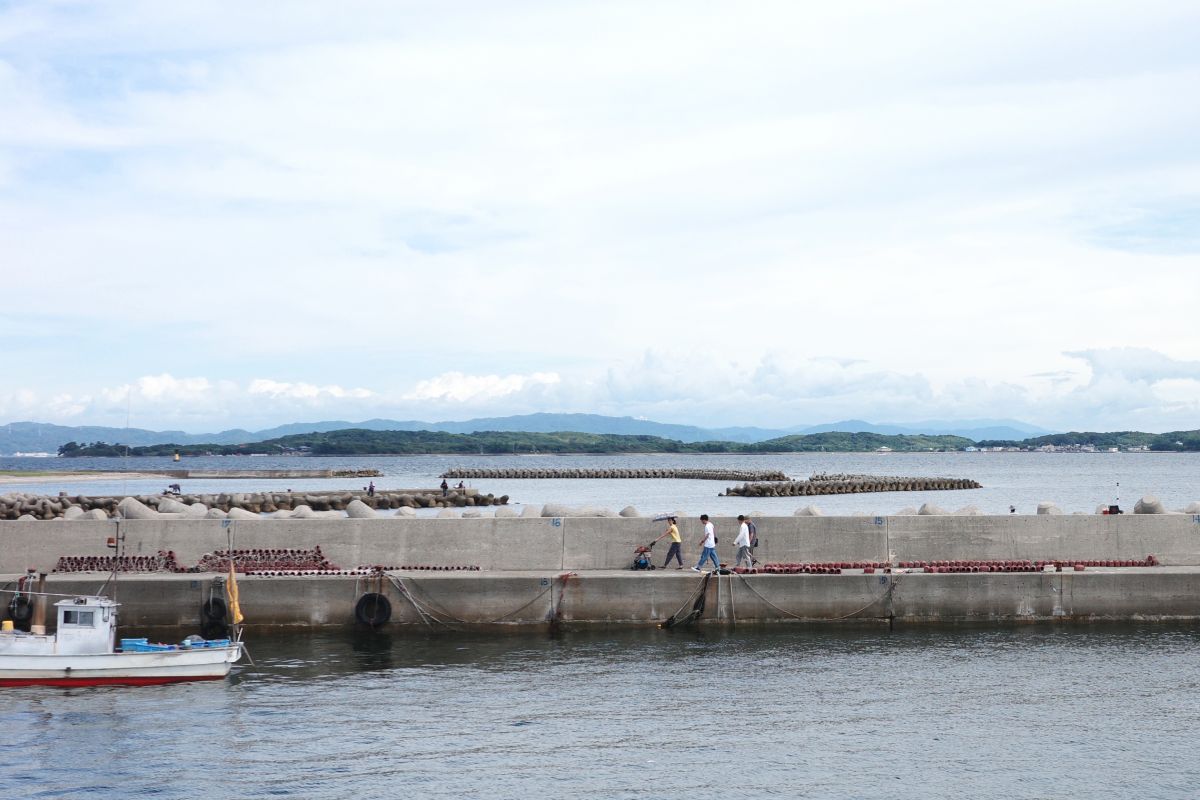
214, 629
214, 609
20, 609
373, 609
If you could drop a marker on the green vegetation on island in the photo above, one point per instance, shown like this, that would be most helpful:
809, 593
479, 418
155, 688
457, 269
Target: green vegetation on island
361, 441
1172, 441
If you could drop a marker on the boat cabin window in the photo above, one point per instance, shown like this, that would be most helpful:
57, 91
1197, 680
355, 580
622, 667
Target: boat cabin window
73, 617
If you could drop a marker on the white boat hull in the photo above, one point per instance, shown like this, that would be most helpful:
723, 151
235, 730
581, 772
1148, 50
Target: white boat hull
125, 669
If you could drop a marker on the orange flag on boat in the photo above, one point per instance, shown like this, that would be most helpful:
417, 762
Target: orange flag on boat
231, 591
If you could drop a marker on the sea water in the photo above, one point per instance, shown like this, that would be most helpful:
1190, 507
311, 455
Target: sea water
1075, 482
1033, 711
1029, 711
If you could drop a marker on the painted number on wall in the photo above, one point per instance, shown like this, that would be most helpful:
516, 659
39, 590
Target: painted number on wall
556, 522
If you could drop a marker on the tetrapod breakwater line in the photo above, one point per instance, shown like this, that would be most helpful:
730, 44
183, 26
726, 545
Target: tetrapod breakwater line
272, 474
596, 474
850, 484
15, 506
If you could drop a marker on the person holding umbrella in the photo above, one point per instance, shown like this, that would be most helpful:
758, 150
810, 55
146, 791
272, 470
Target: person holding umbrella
672, 531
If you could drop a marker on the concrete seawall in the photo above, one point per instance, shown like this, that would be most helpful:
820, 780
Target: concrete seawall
523, 559
588, 543
474, 600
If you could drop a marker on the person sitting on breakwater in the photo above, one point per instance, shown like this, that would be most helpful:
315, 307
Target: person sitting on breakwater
445, 488
676, 540
743, 544
461, 485
709, 543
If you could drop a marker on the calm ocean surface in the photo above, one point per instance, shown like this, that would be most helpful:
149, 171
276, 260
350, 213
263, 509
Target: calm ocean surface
1012, 712
1073, 481
1034, 711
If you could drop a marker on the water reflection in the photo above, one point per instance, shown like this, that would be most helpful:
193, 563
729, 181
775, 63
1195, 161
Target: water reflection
788, 710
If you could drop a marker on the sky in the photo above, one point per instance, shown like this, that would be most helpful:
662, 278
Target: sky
229, 214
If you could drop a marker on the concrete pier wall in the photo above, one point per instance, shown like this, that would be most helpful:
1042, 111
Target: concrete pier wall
523, 561
587, 543
648, 598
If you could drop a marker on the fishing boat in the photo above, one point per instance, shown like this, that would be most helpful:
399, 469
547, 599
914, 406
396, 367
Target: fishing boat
83, 651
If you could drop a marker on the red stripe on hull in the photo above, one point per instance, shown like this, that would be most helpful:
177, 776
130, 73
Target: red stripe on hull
106, 681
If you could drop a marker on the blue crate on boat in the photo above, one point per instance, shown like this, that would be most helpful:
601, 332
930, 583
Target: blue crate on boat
197, 644
144, 646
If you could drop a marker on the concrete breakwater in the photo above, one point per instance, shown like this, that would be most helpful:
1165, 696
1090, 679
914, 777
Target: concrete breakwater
272, 474
447, 601
850, 484
245, 504
685, 474
535, 570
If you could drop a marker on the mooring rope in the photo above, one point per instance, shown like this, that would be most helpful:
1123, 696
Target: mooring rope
890, 590
400, 587
431, 606
697, 601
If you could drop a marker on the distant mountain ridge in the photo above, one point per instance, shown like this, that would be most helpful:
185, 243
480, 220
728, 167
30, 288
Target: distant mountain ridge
977, 429
25, 437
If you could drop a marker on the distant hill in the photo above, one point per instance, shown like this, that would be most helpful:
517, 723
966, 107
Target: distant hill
34, 437
359, 441
1172, 441
858, 442
975, 429
45, 437
27, 437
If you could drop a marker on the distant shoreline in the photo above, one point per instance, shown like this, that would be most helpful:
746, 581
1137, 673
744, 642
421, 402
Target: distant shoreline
15, 476
365, 442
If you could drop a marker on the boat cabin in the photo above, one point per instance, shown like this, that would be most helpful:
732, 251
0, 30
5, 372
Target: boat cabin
86, 626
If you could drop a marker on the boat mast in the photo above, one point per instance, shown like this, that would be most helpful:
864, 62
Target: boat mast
117, 545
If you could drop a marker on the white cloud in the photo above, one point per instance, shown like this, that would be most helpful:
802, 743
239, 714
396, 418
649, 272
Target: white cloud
1143, 390
455, 387
949, 197
303, 391
1139, 364
161, 387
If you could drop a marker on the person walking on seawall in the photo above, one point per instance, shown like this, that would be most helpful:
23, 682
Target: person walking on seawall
445, 488
676, 540
743, 544
709, 543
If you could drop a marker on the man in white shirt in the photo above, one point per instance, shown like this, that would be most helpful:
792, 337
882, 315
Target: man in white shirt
709, 543
743, 544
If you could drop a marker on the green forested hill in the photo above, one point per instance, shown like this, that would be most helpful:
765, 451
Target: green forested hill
1177, 441
359, 441
838, 442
